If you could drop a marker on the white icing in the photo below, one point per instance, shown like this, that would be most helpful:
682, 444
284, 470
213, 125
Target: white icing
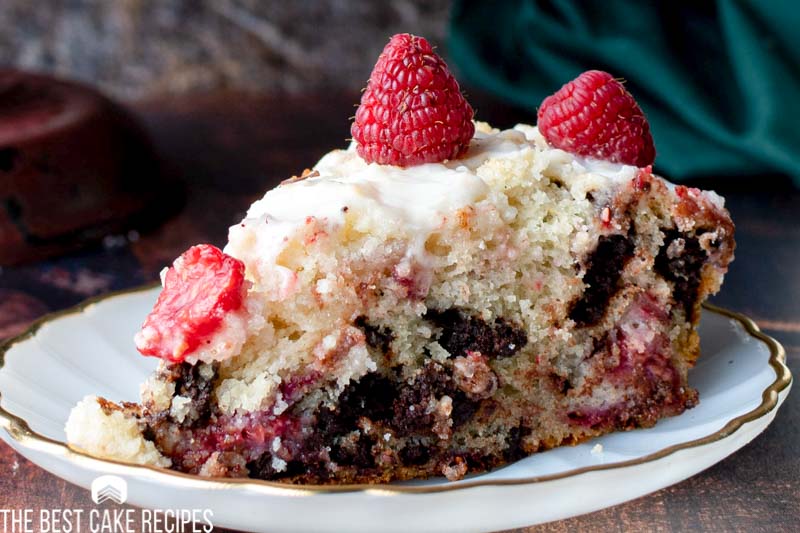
614, 172
617, 173
412, 200
407, 203
414, 195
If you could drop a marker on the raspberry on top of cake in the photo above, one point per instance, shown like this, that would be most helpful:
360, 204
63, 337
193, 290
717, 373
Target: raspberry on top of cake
442, 297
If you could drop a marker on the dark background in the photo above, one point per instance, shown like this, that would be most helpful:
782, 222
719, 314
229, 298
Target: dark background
237, 96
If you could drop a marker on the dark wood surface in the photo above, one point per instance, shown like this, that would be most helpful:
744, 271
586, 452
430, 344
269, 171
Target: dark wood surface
229, 148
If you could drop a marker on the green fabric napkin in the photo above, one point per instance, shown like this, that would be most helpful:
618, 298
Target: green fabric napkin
719, 81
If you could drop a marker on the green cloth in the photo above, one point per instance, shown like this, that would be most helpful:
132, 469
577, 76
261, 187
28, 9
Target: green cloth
719, 81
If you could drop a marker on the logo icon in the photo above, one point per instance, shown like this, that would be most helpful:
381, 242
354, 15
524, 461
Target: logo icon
109, 488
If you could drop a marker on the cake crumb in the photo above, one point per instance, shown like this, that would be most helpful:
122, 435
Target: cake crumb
180, 408
278, 464
474, 376
455, 470
280, 404
597, 450
442, 423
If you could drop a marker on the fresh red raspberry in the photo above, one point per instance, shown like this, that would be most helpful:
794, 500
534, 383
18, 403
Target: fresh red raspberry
412, 111
202, 286
594, 116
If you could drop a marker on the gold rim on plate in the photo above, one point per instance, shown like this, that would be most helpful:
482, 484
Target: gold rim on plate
19, 430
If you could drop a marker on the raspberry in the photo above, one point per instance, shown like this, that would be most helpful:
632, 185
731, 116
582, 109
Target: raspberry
202, 286
412, 111
594, 116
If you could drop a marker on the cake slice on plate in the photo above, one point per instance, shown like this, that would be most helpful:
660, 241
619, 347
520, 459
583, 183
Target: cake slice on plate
440, 298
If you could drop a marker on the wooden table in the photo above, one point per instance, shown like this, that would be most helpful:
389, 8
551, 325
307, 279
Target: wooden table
231, 147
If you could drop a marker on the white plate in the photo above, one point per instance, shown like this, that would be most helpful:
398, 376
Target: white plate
741, 377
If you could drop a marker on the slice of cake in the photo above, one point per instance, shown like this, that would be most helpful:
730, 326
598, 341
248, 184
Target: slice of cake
440, 298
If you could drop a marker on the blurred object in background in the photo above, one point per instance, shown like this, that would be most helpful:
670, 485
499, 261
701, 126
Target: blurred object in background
719, 80
74, 167
84, 171
140, 48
